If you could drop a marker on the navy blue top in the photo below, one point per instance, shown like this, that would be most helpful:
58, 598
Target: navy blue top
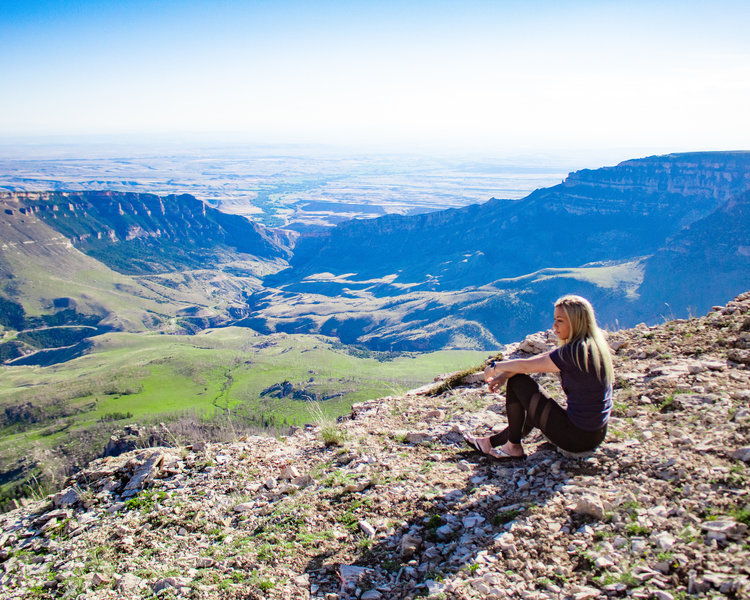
589, 399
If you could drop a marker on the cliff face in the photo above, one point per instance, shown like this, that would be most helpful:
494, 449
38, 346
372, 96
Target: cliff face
607, 214
134, 261
717, 175
390, 504
144, 233
707, 258
498, 267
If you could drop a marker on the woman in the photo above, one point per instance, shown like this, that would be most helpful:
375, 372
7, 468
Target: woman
584, 362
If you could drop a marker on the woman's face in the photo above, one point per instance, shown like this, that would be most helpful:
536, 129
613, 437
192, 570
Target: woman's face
561, 325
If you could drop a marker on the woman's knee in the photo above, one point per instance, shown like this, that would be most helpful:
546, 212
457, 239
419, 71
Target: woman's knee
522, 385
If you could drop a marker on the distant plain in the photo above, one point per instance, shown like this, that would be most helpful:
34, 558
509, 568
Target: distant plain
293, 187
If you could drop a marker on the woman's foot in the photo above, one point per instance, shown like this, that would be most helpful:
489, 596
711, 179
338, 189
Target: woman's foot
480, 444
508, 450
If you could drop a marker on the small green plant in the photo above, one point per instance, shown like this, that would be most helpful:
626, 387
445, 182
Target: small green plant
742, 515
435, 575
265, 553
426, 467
330, 433
332, 436
637, 529
667, 405
434, 522
145, 500
364, 544
505, 516
619, 408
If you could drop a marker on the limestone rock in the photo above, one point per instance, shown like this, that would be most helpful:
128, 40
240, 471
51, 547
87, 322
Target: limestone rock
590, 505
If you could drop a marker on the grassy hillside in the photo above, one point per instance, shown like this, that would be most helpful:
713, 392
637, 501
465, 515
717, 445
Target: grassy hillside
54, 417
39, 267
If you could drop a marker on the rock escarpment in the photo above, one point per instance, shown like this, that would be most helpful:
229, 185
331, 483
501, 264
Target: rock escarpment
638, 239
613, 213
389, 504
144, 233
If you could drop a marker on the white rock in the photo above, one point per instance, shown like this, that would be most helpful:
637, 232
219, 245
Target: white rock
602, 562
203, 562
302, 481
434, 588
444, 531
472, 521
288, 473
723, 529
367, 529
585, 593
664, 540
409, 546
480, 586
418, 437
97, 579
167, 582
145, 472
472, 378
351, 574
67, 497
128, 582
590, 505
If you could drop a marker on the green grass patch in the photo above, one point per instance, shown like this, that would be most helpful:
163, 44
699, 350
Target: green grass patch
224, 374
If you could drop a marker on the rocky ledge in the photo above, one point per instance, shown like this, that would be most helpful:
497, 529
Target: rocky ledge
389, 504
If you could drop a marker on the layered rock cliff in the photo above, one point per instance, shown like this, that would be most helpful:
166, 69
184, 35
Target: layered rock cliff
144, 233
608, 214
500, 265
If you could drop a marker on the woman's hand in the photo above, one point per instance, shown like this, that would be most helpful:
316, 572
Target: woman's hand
498, 381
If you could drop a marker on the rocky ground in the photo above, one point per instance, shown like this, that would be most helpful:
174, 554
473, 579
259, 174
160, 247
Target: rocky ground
389, 503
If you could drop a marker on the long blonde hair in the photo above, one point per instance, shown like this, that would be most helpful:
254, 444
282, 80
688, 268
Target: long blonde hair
584, 330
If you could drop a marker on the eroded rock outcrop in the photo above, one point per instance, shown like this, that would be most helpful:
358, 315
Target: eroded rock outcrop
387, 503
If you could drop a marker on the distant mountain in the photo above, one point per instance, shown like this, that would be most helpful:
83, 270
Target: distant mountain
145, 233
499, 266
656, 237
707, 260
98, 261
607, 214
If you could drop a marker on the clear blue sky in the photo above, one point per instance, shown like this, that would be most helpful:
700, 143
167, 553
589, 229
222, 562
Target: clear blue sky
526, 74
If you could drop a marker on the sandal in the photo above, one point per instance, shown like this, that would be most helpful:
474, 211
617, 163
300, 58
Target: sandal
473, 442
500, 454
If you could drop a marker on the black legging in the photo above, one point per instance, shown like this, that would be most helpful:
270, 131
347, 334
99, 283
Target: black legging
527, 407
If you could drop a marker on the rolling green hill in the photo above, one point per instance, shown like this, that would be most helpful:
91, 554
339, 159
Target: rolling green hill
43, 275
54, 417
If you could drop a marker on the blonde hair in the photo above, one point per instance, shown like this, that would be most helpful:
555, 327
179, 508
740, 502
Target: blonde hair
584, 330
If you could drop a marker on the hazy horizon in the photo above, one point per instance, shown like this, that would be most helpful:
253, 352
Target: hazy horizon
602, 80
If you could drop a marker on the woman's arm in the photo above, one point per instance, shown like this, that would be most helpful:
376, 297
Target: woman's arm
507, 368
